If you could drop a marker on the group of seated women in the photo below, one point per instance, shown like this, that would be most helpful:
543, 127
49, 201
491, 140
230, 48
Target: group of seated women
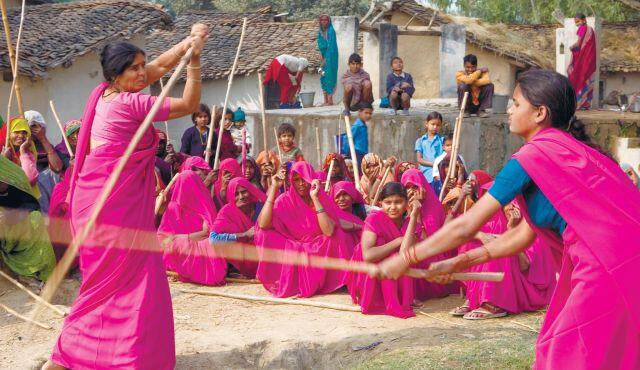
223, 222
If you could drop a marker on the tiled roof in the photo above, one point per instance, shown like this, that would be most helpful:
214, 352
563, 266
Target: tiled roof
55, 34
264, 40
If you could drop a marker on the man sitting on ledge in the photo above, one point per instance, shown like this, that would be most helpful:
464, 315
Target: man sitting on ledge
477, 83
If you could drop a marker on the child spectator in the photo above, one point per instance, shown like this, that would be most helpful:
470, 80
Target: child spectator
357, 85
286, 142
359, 132
429, 145
448, 145
194, 139
400, 87
239, 122
478, 84
227, 148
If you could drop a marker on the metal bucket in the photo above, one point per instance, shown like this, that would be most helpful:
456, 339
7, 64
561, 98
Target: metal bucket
306, 98
500, 103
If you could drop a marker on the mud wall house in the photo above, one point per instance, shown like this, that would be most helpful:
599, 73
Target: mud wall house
59, 51
504, 48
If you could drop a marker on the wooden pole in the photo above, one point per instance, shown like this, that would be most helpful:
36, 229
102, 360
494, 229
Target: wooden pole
207, 151
352, 148
327, 185
216, 163
318, 147
244, 150
24, 318
166, 124
63, 266
161, 198
13, 56
64, 136
379, 189
33, 295
263, 113
457, 127
298, 302
275, 133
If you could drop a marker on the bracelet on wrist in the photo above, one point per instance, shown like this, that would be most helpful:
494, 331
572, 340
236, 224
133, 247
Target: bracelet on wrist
189, 66
196, 80
319, 211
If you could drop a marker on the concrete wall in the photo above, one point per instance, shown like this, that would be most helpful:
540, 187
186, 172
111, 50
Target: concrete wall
627, 83
347, 36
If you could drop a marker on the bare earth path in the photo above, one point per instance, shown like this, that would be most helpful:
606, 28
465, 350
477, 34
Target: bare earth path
217, 333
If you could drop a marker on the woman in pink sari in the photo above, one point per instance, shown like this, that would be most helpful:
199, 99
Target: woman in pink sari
382, 236
184, 232
428, 220
229, 169
573, 190
122, 317
301, 220
529, 276
236, 220
582, 70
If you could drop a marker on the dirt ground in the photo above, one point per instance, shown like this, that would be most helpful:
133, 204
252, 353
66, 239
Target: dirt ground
217, 333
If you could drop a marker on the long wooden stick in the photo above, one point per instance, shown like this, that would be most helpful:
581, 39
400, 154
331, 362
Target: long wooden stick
64, 136
163, 196
327, 185
24, 318
318, 147
32, 294
352, 148
263, 113
298, 302
63, 266
379, 189
212, 129
275, 133
166, 124
216, 163
13, 56
457, 127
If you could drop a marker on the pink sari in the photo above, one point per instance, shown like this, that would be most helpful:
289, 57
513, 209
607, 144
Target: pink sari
386, 296
232, 220
432, 216
122, 317
229, 165
519, 291
296, 229
59, 225
191, 205
582, 70
592, 321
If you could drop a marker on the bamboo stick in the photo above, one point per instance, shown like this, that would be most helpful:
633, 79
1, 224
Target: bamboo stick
526, 326
174, 274
327, 185
244, 150
318, 147
161, 198
166, 124
24, 318
216, 163
352, 148
457, 127
32, 294
439, 319
298, 302
207, 151
379, 189
13, 56
263, 114
64, 136
63, 266
275, 133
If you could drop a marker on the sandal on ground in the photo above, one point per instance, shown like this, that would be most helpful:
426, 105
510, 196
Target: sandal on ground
460, 311
484, 312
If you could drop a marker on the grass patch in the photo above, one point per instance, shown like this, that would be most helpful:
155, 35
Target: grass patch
501, 349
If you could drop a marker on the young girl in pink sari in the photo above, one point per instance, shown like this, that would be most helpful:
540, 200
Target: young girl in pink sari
382, 236
184, 230
236, 220
122, 317
573, 190
301, 220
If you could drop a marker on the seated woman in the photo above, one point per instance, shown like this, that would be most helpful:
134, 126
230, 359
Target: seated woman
236, 220
339, 170
229, 169
24, 244
22, 151
302, 221
349, 199
184, 232
373, 170
452, 188
428, 220
382, 237
462, 197
401, 168
269, 163
529, 277
252, 173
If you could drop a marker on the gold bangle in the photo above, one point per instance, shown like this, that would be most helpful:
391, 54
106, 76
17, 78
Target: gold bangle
486, 251
194, 80
193, 67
